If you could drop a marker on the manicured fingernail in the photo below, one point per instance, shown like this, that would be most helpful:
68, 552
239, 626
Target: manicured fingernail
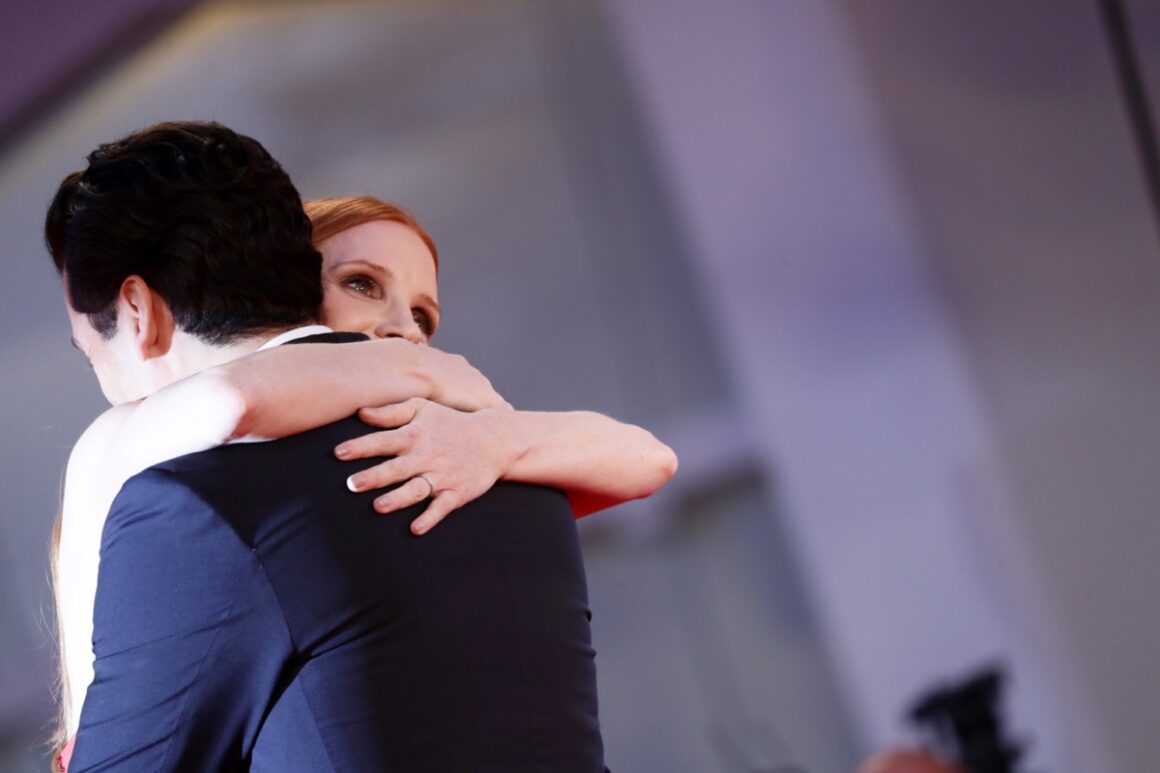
418, 527
382, 504
342, 452
355, 483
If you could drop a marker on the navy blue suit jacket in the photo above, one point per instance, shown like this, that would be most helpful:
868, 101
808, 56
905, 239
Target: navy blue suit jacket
252, 613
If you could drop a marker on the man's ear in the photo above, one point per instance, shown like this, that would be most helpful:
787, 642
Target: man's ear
147, 316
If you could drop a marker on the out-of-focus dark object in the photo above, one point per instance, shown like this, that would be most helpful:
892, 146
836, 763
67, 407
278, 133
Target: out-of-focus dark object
967, 724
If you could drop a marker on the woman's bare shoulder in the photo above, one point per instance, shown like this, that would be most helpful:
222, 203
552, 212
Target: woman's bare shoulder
99, 436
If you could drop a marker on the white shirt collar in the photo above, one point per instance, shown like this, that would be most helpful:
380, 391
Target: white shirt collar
293, 333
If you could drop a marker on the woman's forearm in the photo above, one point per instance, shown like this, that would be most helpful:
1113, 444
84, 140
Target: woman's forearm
598, 461
290, 389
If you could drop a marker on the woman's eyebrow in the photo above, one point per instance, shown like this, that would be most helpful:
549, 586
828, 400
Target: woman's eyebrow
364, 264
427, 299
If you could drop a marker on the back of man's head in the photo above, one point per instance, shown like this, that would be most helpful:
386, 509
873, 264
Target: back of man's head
204, 215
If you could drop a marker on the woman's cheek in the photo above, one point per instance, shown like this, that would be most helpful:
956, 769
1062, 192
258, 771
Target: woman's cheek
340, 314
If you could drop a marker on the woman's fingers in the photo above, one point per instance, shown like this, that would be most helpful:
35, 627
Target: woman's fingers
385, 474
443, 503
440, 454
394, 415
394, 440
414, 491
390, 442
410, 493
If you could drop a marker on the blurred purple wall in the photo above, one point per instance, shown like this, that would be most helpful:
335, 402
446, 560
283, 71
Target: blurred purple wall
886, 275
58, 46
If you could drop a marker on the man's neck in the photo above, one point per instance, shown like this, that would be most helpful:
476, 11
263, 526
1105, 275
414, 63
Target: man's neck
190, 355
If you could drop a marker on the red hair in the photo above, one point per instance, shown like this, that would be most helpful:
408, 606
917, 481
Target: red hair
333, 216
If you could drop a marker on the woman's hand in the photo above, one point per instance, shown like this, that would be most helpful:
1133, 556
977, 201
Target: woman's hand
441, 454
453, 457
455, 382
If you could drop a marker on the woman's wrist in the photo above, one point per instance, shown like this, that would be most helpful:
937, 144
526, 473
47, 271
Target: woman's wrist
513, 435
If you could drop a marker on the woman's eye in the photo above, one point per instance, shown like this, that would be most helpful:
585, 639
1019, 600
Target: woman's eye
424, 321
361, 284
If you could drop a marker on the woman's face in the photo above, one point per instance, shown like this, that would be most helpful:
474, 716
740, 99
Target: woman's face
379, 278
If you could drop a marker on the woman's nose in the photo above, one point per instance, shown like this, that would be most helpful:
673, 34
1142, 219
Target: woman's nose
400, 326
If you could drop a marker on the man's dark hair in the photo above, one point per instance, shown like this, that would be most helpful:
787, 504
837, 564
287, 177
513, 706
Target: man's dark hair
204, 215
